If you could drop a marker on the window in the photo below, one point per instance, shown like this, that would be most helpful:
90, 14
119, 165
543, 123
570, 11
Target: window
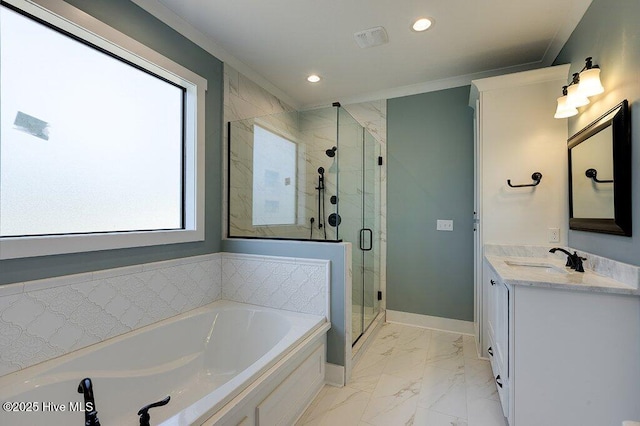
274, 178
100, 147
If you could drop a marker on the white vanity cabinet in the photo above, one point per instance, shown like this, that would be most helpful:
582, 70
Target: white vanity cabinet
498, 334
564, 357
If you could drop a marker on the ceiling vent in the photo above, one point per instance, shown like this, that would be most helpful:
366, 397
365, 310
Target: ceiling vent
371, 37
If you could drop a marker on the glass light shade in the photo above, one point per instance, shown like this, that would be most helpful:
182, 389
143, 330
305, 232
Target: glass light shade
564, 110
590, 82
313, 78
575, 97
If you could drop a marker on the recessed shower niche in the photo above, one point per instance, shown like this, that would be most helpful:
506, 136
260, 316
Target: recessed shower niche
310, 176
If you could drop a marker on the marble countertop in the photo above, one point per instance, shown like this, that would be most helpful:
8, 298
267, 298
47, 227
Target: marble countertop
551, 273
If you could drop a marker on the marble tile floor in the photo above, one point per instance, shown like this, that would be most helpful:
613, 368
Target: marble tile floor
412, 376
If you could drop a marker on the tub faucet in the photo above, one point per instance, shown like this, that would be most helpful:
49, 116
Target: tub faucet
90, 413
144, 411
574, 261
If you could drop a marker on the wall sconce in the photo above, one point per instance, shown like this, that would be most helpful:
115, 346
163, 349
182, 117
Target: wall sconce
564, 109
577, 93
590, 79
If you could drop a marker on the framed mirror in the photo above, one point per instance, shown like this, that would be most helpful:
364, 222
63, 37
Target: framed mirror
600, 174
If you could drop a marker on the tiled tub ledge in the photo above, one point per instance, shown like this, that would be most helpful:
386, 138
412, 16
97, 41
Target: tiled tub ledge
292, 284
46, 318
601, 274
43, 319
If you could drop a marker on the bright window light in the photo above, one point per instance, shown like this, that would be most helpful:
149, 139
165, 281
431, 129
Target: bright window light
91, 143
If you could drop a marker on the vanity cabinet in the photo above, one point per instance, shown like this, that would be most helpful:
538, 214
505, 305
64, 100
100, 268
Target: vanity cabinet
498, 335
563, 357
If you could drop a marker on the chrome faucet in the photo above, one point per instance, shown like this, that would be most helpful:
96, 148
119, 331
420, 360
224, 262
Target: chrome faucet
90, 413
574, 261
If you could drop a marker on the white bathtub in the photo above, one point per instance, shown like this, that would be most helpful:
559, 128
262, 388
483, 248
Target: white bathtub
205, 359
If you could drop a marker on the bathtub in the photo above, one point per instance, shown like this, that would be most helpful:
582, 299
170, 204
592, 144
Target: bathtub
222, 360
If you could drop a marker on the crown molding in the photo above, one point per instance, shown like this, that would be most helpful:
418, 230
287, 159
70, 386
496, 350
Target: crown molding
203, 40
166, 15
429, 86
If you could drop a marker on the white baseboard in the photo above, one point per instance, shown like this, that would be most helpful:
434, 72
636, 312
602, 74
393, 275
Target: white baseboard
334, 375
427, 321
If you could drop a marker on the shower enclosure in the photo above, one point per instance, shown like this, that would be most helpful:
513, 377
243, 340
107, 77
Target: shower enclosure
310, 175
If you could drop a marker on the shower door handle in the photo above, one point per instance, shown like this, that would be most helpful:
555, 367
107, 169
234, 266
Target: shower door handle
362, 232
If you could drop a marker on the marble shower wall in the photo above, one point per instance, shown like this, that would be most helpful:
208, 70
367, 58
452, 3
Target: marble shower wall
241, 182
315, 132
318, 130
245, 100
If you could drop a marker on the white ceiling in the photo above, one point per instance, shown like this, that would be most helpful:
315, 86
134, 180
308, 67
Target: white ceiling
278, 43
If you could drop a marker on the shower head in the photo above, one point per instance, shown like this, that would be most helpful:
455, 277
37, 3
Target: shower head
331, 152
321, 170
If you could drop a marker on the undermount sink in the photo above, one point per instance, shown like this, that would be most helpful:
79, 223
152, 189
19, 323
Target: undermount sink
536, 266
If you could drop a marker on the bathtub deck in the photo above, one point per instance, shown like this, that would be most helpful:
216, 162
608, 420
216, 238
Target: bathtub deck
202, 359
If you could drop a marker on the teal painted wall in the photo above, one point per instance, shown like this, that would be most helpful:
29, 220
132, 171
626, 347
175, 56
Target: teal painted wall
128, 18
609, 32
430, 177
310, 250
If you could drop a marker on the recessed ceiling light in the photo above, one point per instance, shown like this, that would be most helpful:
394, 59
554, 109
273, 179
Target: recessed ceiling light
313, 78
422, 24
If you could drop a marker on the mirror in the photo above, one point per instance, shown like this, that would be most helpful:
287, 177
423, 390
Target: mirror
600, 174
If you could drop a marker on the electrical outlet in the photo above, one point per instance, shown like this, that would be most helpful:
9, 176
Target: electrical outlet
554, 235
444, 225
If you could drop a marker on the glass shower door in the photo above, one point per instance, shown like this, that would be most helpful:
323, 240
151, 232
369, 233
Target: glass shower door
368, 241
359, 177
350, 208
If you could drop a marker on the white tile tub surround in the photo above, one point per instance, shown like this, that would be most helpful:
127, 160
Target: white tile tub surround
622, 272
300, 285
42, 319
